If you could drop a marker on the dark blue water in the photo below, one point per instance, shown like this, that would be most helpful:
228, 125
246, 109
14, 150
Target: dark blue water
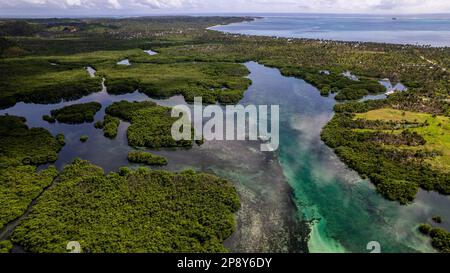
423, 30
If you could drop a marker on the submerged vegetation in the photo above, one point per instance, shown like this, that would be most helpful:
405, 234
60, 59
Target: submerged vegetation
150, 124
146, 158
134, 211
77, 113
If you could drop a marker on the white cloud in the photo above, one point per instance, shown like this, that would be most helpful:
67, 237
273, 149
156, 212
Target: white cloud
115, 4
142, 6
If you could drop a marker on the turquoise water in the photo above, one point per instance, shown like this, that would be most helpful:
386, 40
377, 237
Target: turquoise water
348, 211
423, 30
303, 181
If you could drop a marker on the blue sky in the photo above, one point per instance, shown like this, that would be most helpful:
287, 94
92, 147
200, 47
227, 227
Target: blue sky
141, 7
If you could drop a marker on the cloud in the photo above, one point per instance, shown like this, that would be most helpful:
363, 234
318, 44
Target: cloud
218, 6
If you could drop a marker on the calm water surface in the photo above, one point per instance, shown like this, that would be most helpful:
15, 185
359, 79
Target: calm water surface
280, 192
422, 30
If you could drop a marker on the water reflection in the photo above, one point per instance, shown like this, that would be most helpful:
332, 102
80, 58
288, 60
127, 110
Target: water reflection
91, 71
390, 89
347, 210
125, 62
150, 52
350, 76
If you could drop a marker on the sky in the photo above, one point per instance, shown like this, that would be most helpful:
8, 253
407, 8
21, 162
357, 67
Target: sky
63, 8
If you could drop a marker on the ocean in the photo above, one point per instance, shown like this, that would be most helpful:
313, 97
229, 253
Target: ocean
431, 30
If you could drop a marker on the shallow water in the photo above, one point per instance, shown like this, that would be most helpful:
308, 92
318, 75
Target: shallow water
390, 89
424, 30
350, 76
304, 180
91, 71
124, 62
268, 220
351, 213
150, 52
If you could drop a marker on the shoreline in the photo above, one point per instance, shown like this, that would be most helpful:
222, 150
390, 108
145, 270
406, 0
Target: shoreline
311, 39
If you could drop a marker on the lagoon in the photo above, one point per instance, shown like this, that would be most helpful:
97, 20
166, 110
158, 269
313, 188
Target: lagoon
286, 194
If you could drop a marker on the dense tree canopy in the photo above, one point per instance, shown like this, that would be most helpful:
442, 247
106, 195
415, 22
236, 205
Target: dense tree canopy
77, 113
150, 124
21, 149
22, 145
133, 211
146, 158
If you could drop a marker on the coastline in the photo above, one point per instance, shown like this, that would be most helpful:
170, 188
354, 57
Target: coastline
252, 28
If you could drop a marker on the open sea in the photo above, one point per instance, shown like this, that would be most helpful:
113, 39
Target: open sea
431, 30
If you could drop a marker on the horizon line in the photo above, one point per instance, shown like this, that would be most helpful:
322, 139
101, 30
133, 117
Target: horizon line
207, 14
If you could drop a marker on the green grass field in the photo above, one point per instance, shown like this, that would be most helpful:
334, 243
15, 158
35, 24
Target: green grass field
436, 131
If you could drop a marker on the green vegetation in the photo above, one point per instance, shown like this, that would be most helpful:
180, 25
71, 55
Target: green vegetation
306, 59
18, 28
150, 124
34, 79
437, 219
49, 119
134, 211
61, 139
84, 138
398, 150
110, 125
209, 59
440, 238
21, 145
400, 143
434, 129
425, 229
146, 158
112, 34
5, 246
18, 187
49, 78
77, 113
193, 61
20, 148
346, 89
126, 110
7, 47
223, 82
